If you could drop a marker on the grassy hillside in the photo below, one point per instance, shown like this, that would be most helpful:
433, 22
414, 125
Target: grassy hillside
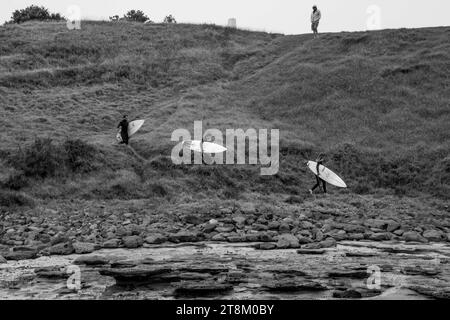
376, 102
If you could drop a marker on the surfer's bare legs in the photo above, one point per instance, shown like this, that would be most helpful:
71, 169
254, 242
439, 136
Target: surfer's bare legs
314, 27
324, 184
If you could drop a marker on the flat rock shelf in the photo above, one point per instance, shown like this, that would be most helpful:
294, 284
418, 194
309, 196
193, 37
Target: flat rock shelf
209, 270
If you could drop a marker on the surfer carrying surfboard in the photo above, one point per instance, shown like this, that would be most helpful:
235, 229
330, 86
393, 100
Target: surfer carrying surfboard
123, 125
320, 160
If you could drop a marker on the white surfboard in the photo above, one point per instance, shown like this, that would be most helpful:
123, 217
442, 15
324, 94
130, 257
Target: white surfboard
208, 147
133, 127
326, 174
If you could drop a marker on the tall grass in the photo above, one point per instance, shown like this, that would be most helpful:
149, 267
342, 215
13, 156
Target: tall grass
375, 102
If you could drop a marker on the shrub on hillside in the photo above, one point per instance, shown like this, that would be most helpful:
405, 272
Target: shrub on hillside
79, 155
34, 13
136, 15
16, 182
14, 199
43, 159
157, 189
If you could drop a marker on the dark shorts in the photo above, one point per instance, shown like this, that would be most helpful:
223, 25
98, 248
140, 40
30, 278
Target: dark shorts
314, 26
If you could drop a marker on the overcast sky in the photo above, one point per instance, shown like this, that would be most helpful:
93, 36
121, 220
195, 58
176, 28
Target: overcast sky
284, 16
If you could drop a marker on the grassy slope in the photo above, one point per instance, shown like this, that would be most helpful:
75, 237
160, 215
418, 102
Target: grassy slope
377, 102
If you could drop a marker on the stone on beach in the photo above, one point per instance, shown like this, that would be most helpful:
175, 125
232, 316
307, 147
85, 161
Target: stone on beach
155, 239
413, 236
132, 242
84, 247
433, 235
287, 241
112, 243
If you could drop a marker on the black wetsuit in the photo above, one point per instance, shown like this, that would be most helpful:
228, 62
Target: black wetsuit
318, 180
123, 125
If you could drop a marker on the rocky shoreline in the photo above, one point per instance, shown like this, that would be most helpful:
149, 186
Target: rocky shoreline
237, 271
28, 235
317, 249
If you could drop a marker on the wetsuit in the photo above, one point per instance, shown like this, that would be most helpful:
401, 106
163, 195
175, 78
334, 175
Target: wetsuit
123, 125
318, 180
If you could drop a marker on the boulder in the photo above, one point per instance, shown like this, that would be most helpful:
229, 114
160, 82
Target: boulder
392, 226
353, 228
112, 243
59, 238
224, 229
252, 237
303, 240
184, 236
192, 219
239, 219
265, 237
328, 243
326, 227
273, 225
209, 227
84, 247
434, 235
236, 238
355, 236
132, 242
134, 229
412, 236
318, 235
312, 246
284, 227
287, 241
155, 239
65, 248
219, 237
306, 225
340, 235
381, 236
260, 227
376, 223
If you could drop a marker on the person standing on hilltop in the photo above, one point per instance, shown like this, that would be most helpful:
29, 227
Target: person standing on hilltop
123, 125
315, 18
320, 160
